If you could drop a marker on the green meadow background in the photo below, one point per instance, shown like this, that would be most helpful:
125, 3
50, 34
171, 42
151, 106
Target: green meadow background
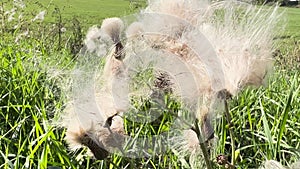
37, 57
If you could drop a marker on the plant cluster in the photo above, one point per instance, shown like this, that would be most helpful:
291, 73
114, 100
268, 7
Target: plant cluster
38, 50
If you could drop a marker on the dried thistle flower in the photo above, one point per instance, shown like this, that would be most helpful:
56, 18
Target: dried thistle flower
242, 54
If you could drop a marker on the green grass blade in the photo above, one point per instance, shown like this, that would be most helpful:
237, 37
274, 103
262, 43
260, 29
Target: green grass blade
267, 131
284, 115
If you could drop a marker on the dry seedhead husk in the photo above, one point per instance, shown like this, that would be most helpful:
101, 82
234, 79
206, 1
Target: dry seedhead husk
223, 46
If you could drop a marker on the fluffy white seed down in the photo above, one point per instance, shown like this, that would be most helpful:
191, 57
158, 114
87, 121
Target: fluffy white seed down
89, 111
113, 28
188, 30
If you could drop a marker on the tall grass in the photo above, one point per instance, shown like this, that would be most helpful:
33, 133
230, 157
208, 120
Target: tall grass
265, 121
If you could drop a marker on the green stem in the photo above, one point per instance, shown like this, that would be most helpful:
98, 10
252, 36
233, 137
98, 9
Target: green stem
203, 145
232, 137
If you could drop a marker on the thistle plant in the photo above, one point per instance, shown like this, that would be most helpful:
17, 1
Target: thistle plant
219, 47
168, 87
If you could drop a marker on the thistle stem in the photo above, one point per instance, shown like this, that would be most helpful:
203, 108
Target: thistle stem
232, 137
202, 145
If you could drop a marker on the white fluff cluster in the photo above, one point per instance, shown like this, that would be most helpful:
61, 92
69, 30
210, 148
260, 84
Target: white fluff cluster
113, 27
241, 39
99, 40
206, 48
